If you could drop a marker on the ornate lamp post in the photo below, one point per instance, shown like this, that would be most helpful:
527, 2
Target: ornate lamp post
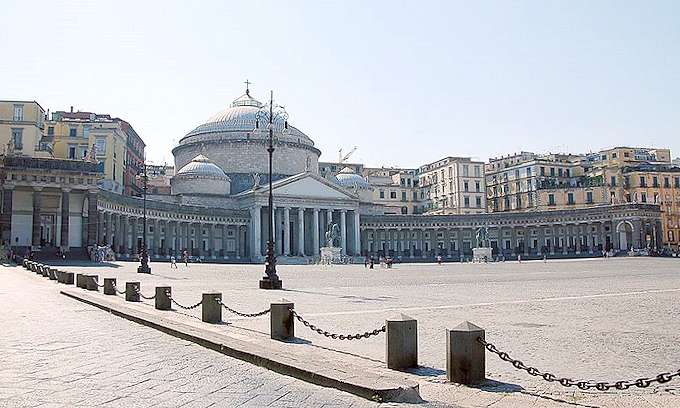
271, 115
144, 255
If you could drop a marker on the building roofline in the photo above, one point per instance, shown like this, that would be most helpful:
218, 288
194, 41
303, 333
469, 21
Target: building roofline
23, 101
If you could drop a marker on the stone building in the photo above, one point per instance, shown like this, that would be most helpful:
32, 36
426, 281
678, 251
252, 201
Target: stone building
21, 125
453, 185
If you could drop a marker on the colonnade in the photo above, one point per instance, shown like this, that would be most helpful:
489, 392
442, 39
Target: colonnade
300, 231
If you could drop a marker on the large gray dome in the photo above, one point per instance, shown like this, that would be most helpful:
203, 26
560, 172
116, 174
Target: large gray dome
349, 179
232, 140
200, 176
201, 166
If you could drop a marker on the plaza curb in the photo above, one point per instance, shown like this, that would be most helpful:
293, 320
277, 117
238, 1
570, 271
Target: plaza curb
344, 377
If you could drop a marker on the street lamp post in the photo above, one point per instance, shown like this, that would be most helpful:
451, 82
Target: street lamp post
144, 255
271, 114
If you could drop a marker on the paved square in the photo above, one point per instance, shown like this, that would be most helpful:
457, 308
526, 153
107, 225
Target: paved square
598, 319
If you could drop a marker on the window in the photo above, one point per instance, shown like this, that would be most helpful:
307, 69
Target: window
382, 194
403, 196
589, 197
644, 197
643, 181
17, 138
568, 172
100, 145
478, 202
393, 194
450, 171
626, 154
677, 182
552, 172
655, 181
613, 181
466, 170
415, 196
19, 112
666, 182
517, 173
477, 187
72, 132
551, 199
478, 171
466, 200
542, 171
50, 131
72, 152
559, 172
613, 155
465, 186
528, 171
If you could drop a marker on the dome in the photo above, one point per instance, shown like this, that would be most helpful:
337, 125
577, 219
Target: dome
240, 117
348, 179
201, 166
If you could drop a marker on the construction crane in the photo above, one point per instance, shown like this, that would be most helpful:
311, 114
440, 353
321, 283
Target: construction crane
341, 158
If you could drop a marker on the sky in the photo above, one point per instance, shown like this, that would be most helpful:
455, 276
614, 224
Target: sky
406, 82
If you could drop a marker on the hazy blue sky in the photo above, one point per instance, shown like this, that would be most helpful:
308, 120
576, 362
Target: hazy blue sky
406, 82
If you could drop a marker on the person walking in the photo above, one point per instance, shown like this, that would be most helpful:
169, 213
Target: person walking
185, 254
173, 262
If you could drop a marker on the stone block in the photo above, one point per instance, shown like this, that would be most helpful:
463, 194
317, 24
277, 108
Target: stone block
80, 280
92, 282
211, 310
52, 273
68, 278
109, 286
282, 324
60, 276
465, 355
401, 344
163, 294
132, 291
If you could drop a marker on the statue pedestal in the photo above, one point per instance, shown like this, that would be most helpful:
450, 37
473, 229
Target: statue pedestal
331, 255
481, 255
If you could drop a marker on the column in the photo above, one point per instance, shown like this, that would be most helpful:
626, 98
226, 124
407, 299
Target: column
123, 240
7, 216
343, 231
357, 234
286, 232
100, 230
156, 237
211, 240
64, 219
134, 231
93, 218
255, 240
198, 238
329, 218
565, 238
315, 241
37, 204
541, 239
301, 231
237, 243
274, 227
528, 240
110, 230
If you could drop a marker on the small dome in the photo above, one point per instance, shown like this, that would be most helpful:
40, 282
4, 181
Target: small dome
348, 179
201, 166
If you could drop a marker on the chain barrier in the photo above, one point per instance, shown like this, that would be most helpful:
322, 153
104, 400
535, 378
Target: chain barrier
237, 313
325, 333
584, 385
139, 292
182, 306
115, 288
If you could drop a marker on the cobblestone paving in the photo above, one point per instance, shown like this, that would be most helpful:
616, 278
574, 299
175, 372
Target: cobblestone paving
57, 352
587, 319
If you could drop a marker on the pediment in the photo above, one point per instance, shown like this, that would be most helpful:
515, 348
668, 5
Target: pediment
310, 186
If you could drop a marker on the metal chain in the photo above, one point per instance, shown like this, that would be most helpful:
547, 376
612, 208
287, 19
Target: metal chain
237, 313
115, 288
182, 306
338, 336
584, 385
139, 292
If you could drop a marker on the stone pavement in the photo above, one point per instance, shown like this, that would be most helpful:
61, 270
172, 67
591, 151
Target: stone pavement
588, 319
57, 352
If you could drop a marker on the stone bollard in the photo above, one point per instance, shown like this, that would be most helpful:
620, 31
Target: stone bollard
25, 263
45, 271
465, 355
32, 266
163, 295
401, 344
211, 310
109, 286
60, 276
281, 321
80, 280
52, 273
132, 291
68, 278
92, 282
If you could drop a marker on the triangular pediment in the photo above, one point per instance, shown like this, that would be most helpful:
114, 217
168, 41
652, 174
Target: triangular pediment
309, 185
